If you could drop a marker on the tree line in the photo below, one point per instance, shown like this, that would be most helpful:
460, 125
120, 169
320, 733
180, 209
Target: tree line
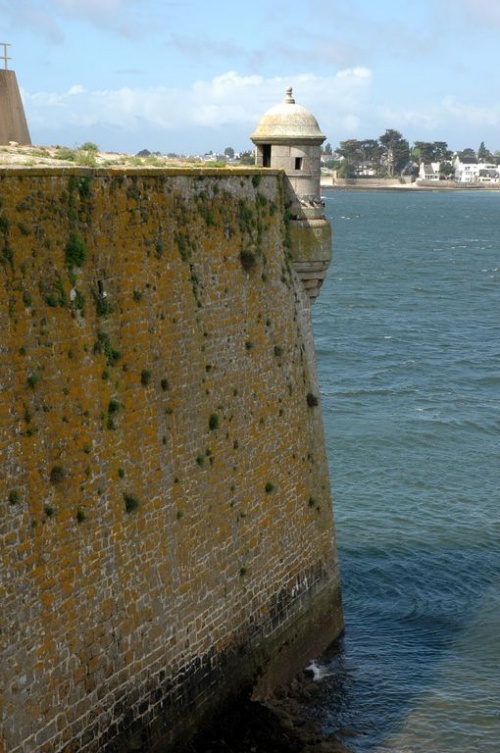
391, 154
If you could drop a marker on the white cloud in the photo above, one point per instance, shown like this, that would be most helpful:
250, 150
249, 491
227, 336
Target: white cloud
484, 13
226, 109
459, 123
468, 112
445, 114
47, 18
85, 7
226, 100
120, 16
25, 14
356, 73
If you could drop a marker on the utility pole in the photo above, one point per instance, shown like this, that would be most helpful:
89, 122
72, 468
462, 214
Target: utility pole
5, 57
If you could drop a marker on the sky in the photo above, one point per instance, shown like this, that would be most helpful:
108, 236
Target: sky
192, 76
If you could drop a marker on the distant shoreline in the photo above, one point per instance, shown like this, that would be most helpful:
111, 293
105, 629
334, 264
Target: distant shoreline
395, 185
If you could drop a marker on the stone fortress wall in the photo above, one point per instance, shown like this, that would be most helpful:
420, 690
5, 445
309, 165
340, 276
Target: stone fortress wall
166, 528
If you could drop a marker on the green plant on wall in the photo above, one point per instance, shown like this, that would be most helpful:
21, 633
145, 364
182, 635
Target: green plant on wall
33, 380
102, 305
131, 502
57, 474
287, 218
159, 247
24, 228
79, 301
7, 256
81, 184
56, 295
245, 217
113, 406
4, 224
75, 251
213, 422
314, 504
103, 345
248, 260
133, 190
196, 285
14, 497
182, 246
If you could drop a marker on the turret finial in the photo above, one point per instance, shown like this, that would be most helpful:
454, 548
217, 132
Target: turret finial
289, 100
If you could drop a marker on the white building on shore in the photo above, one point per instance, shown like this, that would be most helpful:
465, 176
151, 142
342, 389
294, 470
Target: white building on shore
470, 170
429, 171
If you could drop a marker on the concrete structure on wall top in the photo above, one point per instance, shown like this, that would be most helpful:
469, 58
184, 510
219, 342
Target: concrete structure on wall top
13, 124
289, 138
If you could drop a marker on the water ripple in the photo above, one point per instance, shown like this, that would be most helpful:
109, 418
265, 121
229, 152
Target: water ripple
409, 365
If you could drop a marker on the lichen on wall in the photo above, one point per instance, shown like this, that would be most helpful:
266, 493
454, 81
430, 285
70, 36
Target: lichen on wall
165, 511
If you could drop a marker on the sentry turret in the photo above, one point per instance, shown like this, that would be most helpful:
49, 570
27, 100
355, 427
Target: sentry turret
289, 138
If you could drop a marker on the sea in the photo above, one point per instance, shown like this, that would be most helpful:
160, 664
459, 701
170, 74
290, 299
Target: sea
407, 332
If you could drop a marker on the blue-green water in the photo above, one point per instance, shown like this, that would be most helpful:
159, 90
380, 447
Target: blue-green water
407, 331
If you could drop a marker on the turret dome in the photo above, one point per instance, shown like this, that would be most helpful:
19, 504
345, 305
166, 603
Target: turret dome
288, 122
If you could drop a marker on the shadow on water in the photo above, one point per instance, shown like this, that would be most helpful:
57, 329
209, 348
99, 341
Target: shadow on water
410, 662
